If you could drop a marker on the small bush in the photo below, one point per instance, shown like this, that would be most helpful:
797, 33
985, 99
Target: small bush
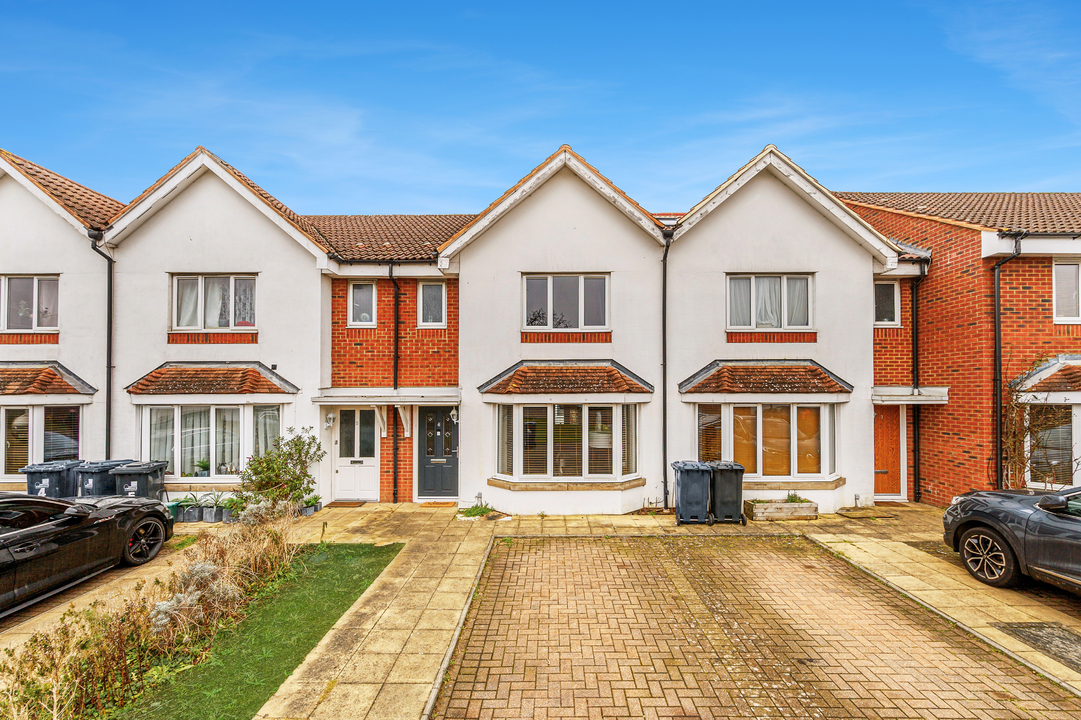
476, 510
283, 473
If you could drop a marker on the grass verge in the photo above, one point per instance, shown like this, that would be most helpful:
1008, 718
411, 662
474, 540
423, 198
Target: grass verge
249, 662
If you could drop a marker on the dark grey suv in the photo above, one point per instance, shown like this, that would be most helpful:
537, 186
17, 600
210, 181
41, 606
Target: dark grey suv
1005, 534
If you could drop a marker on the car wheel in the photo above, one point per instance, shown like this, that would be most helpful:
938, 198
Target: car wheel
988, 557
145, 541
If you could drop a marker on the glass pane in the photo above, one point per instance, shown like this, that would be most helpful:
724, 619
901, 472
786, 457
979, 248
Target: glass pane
745, 437
363, 303
61, 433
347, 434
709, 432
776, 440
885, 312
594, 302
630, 439
808, 440
567, 441
833, 439
194, 441
1066, 291
448, 435
161, 437
227, 441
244, 312
429, 434
187, 302
48, 302
1050, 444
366, 433
432, 303
20, 303
798, 301
16, 439
216, 302
600, 440
565, 302
768, 297
266, 426
739, 302
505, 441
535, 441
536, 302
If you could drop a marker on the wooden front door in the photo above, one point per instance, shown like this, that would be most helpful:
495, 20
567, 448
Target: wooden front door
887, 450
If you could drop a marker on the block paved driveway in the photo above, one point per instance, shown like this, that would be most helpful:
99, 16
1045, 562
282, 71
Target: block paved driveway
712, 626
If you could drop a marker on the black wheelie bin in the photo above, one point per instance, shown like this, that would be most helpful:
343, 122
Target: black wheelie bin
141, 479
95, 478
692, 492
726, 492
52, 479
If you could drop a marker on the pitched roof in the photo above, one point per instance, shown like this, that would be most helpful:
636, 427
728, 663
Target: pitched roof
47, 378
764, 376
90, 208
211, 379
365, 238
551, 377
1040, 212
1067, 379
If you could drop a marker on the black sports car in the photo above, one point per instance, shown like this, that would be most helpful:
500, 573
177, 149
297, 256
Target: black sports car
1005, 534
48, 545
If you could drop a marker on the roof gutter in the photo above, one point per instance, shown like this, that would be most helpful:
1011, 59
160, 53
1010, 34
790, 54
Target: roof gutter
667, 234
1018, 236
95, 237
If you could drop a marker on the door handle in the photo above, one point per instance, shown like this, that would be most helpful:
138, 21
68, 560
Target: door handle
24, 548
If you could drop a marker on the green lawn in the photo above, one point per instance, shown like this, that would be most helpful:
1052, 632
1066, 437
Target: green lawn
249, 662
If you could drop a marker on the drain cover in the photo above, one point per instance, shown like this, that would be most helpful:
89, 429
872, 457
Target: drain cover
1053, 639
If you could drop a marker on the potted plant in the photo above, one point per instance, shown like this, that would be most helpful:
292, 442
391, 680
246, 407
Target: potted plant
318, 502
190, 509
231, 508
212, 507
204, 468
307, 507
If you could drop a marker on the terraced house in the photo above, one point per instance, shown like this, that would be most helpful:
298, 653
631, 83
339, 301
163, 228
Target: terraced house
553, 353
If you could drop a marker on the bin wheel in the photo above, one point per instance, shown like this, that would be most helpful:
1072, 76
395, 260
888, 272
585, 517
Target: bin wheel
709, 519
743, 519
677, 520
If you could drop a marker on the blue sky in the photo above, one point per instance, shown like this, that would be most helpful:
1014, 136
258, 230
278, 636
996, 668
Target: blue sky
439, 107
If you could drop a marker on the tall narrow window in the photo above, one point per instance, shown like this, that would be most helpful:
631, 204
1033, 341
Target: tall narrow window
432, 306
1066, 291
833, 439
739, 302
709, 432
536, 301
776, 439
48, 302
195, 441
16, 439
216, 302
244, 312
745, 437
567, 440
767, 302
1051, 444
797, 301
266, 427
366, 433
565, 302
20, 301
600, 440
347, 434
227, 440
535, 441
362, 304
161, 437
594, 301
808, 440
505, 440
630, 439
187, 302
886, 303
61, 433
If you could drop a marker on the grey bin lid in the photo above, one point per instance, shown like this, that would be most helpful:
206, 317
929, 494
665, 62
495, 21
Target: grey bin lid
91, 466
139, 468
52, 466
691, 465
725, 465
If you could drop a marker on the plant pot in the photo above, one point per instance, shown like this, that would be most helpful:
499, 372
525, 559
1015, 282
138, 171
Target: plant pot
174, 509
228, 515
306, 511
212, 514
780, 510
191, 513
319, 506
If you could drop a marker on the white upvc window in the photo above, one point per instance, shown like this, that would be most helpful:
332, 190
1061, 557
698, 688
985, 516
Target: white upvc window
887, 303
565, 302
770, 302
431, 304
1052, 445
29, 303
38, 433
770, 439
595, 441
212, 441
1065, 285
214, 302
362, 304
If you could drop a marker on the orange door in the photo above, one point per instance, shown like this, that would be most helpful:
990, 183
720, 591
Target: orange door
887, 450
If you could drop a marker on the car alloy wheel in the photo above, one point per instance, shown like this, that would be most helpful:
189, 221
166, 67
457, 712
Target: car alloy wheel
145, 541
988, 558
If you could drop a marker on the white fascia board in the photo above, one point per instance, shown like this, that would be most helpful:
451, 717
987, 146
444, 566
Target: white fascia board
903, 269
215, 399
388, 396
791, 175
368, 270
563, 159
907, 395
1052, 398
567, 398
7, 169
992, 244
37, 399
755, 398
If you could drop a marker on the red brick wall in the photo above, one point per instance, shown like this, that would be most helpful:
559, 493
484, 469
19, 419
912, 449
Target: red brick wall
364, 357
386, 461
29, 338
893, 345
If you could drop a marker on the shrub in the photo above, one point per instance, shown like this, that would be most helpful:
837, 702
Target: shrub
283, 473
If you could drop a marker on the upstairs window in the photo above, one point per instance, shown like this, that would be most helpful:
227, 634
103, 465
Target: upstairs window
362, 304
770, 302
1066, 293
887, 304
29, 303
431, 304
566, 302
214, 302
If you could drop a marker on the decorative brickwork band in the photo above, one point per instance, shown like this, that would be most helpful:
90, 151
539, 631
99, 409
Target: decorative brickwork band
29, 338
1068, 330
772, 337
185, 338
556, 337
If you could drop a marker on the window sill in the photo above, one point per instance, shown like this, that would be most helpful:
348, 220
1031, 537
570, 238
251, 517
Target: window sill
574, 485
888, 326
566, 336
794, 484
230, 337
772, 336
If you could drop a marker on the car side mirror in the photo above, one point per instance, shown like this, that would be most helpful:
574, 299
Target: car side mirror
79, 511
1053, 503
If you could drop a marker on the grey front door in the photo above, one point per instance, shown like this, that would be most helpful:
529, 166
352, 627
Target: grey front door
438, 452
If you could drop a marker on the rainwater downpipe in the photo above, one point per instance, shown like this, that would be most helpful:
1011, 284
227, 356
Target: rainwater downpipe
95, 237
667, 233
1017, 238
394, 410
916, 492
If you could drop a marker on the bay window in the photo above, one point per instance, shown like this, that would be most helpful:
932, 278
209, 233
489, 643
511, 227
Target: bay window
39, 433
770, 439
567, 440
773, 302
213, 302
209, 440
565, 302
29, 303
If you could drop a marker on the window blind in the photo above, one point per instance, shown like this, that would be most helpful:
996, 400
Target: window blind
600, 440
776, 439
16, 439
505, 440
808, 440
567, 441
61, 433
535, 441
745, 435
709, 432
1051, 444
630, 439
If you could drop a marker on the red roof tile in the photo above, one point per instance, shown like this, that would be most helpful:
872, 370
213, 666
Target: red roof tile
189, 380
1038, 212
554, 379
91, 208
763, 378
34, 380
361, 238
1068, 379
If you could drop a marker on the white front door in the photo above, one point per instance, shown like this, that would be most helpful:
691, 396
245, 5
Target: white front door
356, 475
